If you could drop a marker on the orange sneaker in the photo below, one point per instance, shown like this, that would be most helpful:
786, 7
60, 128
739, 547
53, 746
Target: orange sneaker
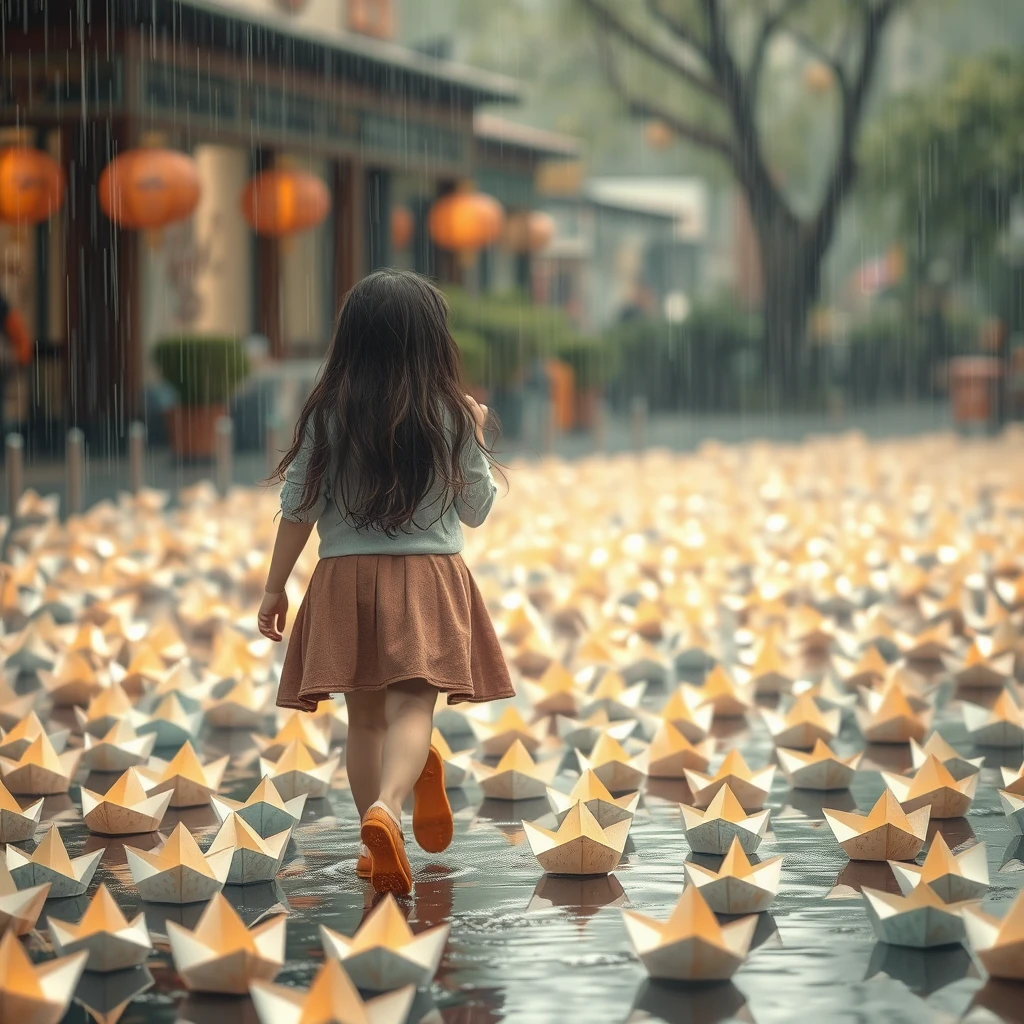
389, 870
432, 823
364, 864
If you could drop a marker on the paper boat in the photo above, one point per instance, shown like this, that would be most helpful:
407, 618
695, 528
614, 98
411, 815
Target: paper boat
724, 696
713, 830
265, 810
933, 786
35, 994
554, 692
998, 942
930, 644
20, 736
580, 846
105, 710
670, 753
957, 766
458, 768
1013, 808
73, 680
516, 776
40, 770
254, 859
614, 697
769, 672
19, 908
691, 945
127, 808
332, 716
750, 788
178, 872
17, 825
921, 920
981, 672
607, 809
583, 733
954, 879
384, 954
244, 706
221, 955
691, 719
886, 832
868, 671
1002, 725
495, 738
821, 769
803, 725
296, 773
118, 750
888, 717
737, 887
331, 998
314, 734
171, 723
610, 762
49, 863
186, 778
105, 934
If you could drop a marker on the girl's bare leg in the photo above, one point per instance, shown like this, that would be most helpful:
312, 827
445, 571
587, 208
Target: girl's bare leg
367, 725
409, 710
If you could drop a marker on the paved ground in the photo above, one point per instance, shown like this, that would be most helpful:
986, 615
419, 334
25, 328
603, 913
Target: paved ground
105, 477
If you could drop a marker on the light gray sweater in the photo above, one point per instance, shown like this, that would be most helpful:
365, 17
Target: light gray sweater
431, 532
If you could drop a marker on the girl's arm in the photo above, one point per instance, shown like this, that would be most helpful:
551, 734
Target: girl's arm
273, 613
475, 502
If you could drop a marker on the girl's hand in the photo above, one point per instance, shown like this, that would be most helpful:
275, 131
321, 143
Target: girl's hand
480, 415
272, 615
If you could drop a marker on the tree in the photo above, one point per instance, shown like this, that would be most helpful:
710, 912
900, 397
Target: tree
702, 73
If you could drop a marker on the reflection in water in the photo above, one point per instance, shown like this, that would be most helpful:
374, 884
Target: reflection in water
106, 996
205, 1008
810, 803
874, 874
1004, 999
675, 791
581, 898
923, 971
690, 1004
956, 831
887, 757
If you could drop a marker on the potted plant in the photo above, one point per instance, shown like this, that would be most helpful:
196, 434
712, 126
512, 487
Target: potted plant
204, 372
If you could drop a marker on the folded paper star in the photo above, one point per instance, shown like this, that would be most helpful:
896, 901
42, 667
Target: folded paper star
117, 750
384, 954
957, 766
495, 738
607, 809
713, 830
610, 762
1002, 725
933, 786
223, 956
691, 945
886, 832
516, 776
954, 878
803, 724
49, 862
330, 999
750, 788
129, 807
254, 859
19, 908
920, 920
998, 942
265, 810
821, 769
112, 944
35, 994
580, 845
178, 872
737, 887
186, 778
296, 772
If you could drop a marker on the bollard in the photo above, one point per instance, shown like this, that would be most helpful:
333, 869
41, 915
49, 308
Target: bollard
75, 457
136, 456
639, 422
548, 438
225, 430
600, 426
15, 452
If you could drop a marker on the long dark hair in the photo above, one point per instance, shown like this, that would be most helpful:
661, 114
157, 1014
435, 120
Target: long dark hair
389, 416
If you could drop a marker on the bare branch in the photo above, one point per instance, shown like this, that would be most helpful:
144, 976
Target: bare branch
677, 28
819, 52
769, 26
675, 63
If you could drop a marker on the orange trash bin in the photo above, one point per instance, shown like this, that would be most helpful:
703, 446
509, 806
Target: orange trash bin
973, 381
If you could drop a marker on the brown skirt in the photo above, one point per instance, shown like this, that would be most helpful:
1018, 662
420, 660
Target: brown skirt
370, 620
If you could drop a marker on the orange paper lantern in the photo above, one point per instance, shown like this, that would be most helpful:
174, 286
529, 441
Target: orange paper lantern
658, 135
403, 227
147, 189
285, 201
530, 231
818, 77
466, 221
31, 185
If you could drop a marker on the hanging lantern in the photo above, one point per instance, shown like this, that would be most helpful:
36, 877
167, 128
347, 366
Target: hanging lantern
817, 77
147, 189
403, 227
31, 185
529, 231
285, 201
658, 135
466, 221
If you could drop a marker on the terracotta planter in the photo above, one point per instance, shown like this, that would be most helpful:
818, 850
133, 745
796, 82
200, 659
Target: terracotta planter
191, 429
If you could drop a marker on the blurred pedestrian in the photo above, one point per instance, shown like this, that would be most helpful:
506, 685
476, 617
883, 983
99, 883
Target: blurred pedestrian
389, 460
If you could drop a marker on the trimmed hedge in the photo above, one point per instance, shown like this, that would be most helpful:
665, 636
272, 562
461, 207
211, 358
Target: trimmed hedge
202, 370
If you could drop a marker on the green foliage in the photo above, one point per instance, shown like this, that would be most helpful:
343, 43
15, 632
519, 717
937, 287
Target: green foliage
473, 349
202, 370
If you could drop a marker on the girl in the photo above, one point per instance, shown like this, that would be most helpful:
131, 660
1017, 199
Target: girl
389, 458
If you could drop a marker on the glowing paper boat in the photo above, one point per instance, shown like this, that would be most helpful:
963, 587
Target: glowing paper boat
888, 717
610, 762
1013, 808
112, 944
724, 696
691, 945
105, 710
264, 810
127, 808
998, 942
957, 766
821, 769
886, 832
35, 994
921, 920
17, 825
299, 727
296, 773
583, 733
222, 955
713, 830
49, 863
20, 737
458, 768
580, 846
1013, 780
118, 750
516, 776
737, 887
607, 809
933, 786
1002, 725
868, 671
254, 859
981, 672
384, 954
691, 719
670, 753
769, 672
330, 999
953, 878
495, 738
19, 908
803, 725
73, 680
244, 706
930, 644
186, 778
178, 872
40, 770
171, 723
750, 788
614, 697
554, 692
